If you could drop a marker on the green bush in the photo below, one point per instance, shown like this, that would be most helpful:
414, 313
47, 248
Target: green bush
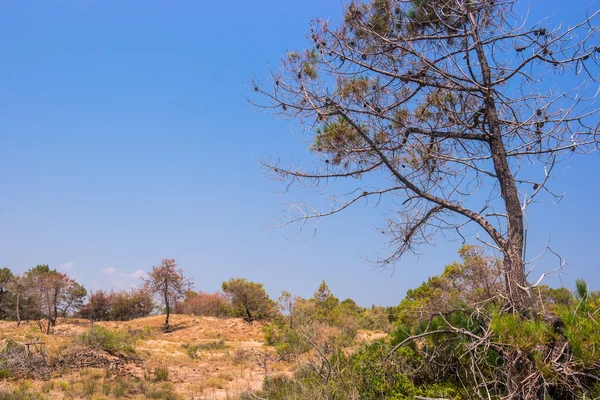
522, 334
113, 342
582, 330
285, 340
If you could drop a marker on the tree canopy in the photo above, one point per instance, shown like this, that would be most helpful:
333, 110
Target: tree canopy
168, 283
450, 101
248, 298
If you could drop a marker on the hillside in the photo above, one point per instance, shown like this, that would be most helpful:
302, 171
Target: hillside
230, 359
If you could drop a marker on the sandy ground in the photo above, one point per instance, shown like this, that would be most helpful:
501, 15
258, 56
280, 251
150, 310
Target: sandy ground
232, 358
232, 368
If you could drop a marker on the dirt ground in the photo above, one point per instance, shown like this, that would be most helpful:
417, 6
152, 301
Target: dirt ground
230, 359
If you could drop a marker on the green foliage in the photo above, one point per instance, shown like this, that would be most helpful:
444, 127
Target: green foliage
248, 298
475, 280
354, 87
366, 374
522, 334
113, 342
319, 322
127, 305
5, 276
41, 269
582, 330
334, 137
308, 67
564, 336
326, 304
375, 318
581, 292
287, 341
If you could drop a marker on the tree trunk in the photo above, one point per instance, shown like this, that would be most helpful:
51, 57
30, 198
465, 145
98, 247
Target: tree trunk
18, 315
512, 247
168, 310
248, 313
54, 308
51, 319
514, 268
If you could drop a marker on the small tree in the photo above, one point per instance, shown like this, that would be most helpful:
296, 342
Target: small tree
18, 290
54, 294
127, 305
248, 298
206, 304
460, 286
326, 303
286, 304
167, 282
98, 306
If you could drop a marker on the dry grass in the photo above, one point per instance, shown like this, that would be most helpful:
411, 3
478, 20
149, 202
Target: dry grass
223, 368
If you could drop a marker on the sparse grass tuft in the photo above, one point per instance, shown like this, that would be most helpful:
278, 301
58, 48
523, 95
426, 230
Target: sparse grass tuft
191, 350
241, 356
47, 387
163, 391
161, 373
89, 386
212, 345
22, 391
121, 387
214, 382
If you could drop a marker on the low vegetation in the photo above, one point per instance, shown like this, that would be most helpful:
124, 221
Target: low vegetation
112, 341
450, 338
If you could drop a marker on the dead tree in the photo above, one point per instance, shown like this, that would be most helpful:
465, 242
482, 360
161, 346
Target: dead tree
454, 102
168, 283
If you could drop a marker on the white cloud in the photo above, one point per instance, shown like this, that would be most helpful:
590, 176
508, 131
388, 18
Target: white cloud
67, 266
116, 279
137, 274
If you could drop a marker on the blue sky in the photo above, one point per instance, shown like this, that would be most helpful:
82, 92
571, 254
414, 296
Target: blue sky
126, 137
